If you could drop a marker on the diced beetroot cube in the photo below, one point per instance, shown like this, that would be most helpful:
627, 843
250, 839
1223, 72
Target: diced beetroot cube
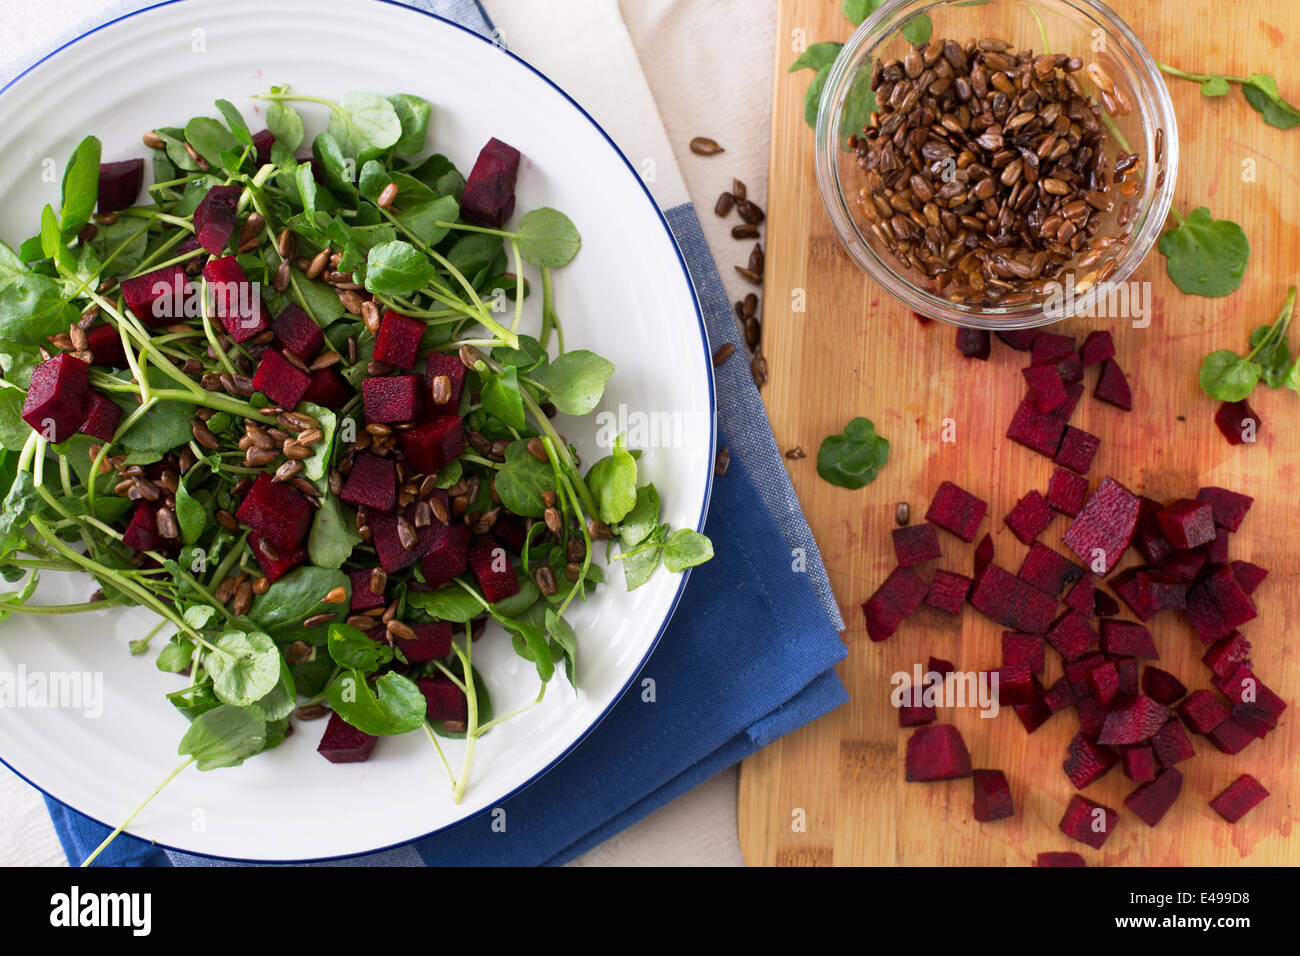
447, 556
393, 555
1016, 685
1202, 711
1088, 822
432, 642
1065, 411
1086, 762
1187, 523
1229, 507
1045, 386
1204, 616
1022, 340
102, 416
936, 665
918, 716
1233, 603
1026, 650
1083, 596
445, 700
214, 219
1035, 713
119, 184
948, 591
440, 363
1012, 602
1237, 422
343, 743
57, 395
1091, 714
328, 389
277, 511
1165, 592
1077, 450
1128, 667
1105, 526
491, 566
1243, 795
238, 302
1139, 763
280, 381
1172, 744
1071, 635
1227, 654
296, 332
1037, 431
429, 446
1255, 719
274, 561
1148, 538
489, 196
1216, 550
509, 530
1127, 640
1066, 491
1249, 576
1097, 347
157, 298
974, 343
992, 795
1243, 687
1049, 348
105, 346
1134, 722
1047, 570
372, 483
142, 533
916, 544
1078, 671
363, 599
262, 142
1161, 685
936, 753
1185, 564
398, 341
1112, 386
1030, 517
1070, 369
392, 398
900, 595
1151, 801
983, 554
1131, 592
1231, 737
1059, 859
956, 510
1105, 682
1059, 696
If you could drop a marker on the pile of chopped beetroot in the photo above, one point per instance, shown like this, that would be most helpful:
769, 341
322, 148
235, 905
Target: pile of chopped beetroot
1131, 713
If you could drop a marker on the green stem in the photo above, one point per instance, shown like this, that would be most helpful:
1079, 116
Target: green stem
127, 822
1197, 77
1276, 331
55, 608
471, 695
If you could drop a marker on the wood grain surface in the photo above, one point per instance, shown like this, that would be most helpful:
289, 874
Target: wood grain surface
833, 793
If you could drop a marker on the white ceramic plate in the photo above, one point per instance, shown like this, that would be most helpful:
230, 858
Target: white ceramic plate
627, 296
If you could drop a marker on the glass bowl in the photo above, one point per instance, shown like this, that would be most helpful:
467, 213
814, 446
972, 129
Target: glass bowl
1085, 29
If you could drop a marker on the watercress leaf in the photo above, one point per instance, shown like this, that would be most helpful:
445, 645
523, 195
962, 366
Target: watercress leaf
18, 598
501, 398
421, 218
576, 380
440, 174
1215, 86
52, 242
638, 568
642, 519
306, 184
685, 548
852, 459
547, 238
373, 179
245, 667
32, 306
521, 480
858, 10
353, 649
1205, 256
13, 430
322, 302
397, 268
165, 427
333, 535
364, 120
818, 55
236, 123
450, 603
224, 736
529, 353
198, 615
1227, 376
562, 633
394, 706
80, 188
413, 115
916, 30
812, 96
522, 600
190, 515
210, 139
314, 468
1261, 93
175, 657
529, 642
1274, 359
612, 481
285, 124
283, 697
337, 169
474, 252
1292, 380
295, 597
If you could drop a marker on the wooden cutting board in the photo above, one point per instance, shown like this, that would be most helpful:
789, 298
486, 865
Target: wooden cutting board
833, 793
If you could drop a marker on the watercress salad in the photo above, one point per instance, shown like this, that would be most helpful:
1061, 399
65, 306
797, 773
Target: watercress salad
286, 403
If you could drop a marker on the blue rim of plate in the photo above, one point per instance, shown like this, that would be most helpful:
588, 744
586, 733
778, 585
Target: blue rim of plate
713, 438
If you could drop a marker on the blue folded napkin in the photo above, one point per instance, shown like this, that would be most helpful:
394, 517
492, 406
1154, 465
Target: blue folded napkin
747, 657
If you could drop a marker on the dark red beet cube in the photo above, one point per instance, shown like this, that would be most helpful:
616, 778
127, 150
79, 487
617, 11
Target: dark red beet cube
1128, 668
1202, 711
936, 753
916, 716
1088, 822
363, 599
1249, 576
1012, 602
900, 595
214, 219
1102, 531
489, 196
445, 701
238, 302
1148, 538
1185, 564
262, 142
328, 389
983, 554
1097, 347
372, 483
343, 743
1066, 491
1049, 348
1086, 761
1045, 386
956, 510
1243, 687
1164, 591
280, 381
1139, 763
277, 511
936, 665
992, 795
119, 184
142, 533
440, 363
1127, 585
1065, 411
1231, 736
429, 446
1059, 696
157, 298
1255, 719
1229, 507
432, 642
1077, 450
1027, 650
1059, 859
1187, 523
1036, 713
102, 416
1017, 685
1071, 635
106, 346
1037, 431
1127, 640
393, 555
1091, 715
1070, 369
57, 394
1133, 722
1030, 517
1238, 422
1105, 682
948, 591
1022, 340
1047, 570
974, 343
1204, 616
509, 530
1161, 685
916, 544
1083, 596
1233, 603
276, 562
490, 563
1172, 744
1243, 795
1078, 671
296, 332
1227, 654
392, 398
1107, 606
447, 556
1151, 801
398, 341
1112, 386
1216, 550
